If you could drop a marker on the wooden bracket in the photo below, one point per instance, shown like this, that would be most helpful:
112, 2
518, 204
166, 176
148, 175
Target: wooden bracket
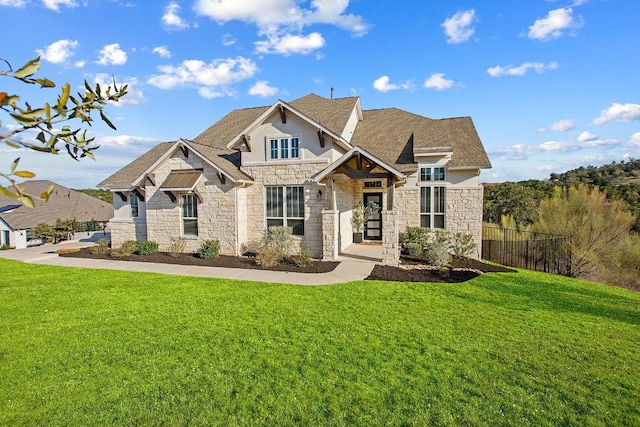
171, 196
139, 192
283, 116
122, 196
222, 178
150, 177
245, 141
185, 151
321, 137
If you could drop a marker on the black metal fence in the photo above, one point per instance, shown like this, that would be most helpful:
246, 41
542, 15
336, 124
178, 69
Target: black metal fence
549, 253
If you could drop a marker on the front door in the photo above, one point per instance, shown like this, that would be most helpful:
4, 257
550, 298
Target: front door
373, 226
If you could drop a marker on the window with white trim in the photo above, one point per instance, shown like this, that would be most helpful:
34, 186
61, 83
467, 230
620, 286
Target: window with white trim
134, 206
432, 207
284, 148
285, 207
189, 207
432, 174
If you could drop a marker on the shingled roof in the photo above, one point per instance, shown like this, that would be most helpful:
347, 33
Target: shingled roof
63, 203
390, 134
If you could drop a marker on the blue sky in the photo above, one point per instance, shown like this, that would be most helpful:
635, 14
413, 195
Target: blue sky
550, 85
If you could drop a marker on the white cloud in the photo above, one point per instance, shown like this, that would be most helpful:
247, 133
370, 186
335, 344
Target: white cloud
134, 95
560, 126
211, 79
111, 54
587, 137
383, 84
58, 52
554, 25
523, 151
271, 15
618, 113
635, 139
290, 44
79, 64
439, 82
521, 70
262, 88
13, 3
162, 51
123, 141
55, 4
171, 18
228, 40
458, 28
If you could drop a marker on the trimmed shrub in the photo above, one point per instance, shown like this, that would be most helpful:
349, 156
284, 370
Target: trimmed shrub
303, 258
413, 249
128, 247
101, 248
462, 244
277, 243
67, 251
148, 247
177, 246
418, 235
437, 251
209, 249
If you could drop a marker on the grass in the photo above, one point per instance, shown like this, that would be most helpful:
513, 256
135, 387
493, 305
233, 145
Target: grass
85, 347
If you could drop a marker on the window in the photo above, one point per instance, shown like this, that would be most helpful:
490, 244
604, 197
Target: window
284, 148
432, 206
285, 207
189, 204
133, 206
373, 184
426, 175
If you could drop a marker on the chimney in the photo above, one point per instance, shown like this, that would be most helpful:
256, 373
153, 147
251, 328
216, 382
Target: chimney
331, 93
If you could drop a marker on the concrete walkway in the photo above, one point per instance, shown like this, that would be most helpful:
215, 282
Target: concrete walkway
349, 269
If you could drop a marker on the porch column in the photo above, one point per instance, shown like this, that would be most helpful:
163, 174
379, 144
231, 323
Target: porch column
390, 247
330, 228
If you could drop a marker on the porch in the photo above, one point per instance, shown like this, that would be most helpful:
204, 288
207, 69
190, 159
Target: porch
362, 252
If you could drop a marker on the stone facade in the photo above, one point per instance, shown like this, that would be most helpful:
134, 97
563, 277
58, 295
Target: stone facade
390, 245
127, 229
216, 210
464, 213
284, 175
330, 229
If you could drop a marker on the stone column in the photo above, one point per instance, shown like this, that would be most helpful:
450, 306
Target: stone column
390, 247
330, 228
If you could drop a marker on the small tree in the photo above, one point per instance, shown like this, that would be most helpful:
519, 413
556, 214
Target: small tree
46, 121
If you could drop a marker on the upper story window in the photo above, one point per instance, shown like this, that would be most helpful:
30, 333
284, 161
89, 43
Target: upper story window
134, 209
432, 174
284, 148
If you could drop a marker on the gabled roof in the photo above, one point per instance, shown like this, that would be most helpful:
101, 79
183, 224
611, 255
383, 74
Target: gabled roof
63, 203
355, 151
392, 134
330, 113
225, 161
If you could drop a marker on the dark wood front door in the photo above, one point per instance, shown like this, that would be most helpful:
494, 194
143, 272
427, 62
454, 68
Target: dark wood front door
373, 226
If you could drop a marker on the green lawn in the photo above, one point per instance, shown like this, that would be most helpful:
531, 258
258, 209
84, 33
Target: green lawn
86, 347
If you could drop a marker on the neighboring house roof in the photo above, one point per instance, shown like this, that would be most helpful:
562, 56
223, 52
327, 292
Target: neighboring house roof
63, 203
390, 134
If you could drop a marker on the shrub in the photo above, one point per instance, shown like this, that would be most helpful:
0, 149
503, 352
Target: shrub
418, 235
101, 248
303, 258
148, 247
5, 247
209, 249
413, 249
177, 246
277, 243
128, 247
462, 244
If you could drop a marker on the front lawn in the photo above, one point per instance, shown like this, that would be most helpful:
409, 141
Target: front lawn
88, 347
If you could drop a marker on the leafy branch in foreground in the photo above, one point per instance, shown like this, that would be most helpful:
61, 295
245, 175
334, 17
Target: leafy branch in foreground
46, 120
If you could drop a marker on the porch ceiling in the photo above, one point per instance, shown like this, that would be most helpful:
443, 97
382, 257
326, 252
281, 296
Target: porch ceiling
359, 164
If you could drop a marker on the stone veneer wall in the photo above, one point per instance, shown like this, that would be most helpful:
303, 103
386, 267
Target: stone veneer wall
127, 229
283, 175
216, 212
463, 210
390, 246
464, 213
330, 225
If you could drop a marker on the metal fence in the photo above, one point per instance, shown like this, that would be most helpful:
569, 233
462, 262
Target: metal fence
549, 253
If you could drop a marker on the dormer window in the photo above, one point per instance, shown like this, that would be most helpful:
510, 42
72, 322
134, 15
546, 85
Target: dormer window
284, 148
432, 174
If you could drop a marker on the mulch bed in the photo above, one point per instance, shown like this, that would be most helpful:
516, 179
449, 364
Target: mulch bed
222, 261
464, 269
417, 271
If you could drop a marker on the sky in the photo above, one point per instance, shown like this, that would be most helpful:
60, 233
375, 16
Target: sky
551, 85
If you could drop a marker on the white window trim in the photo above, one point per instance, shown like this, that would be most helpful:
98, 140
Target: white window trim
284, 216
182, 217
133, 196
432, 214
279, 139
432, 173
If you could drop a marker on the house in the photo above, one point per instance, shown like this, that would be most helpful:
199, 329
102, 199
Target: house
17, 220
304, 164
